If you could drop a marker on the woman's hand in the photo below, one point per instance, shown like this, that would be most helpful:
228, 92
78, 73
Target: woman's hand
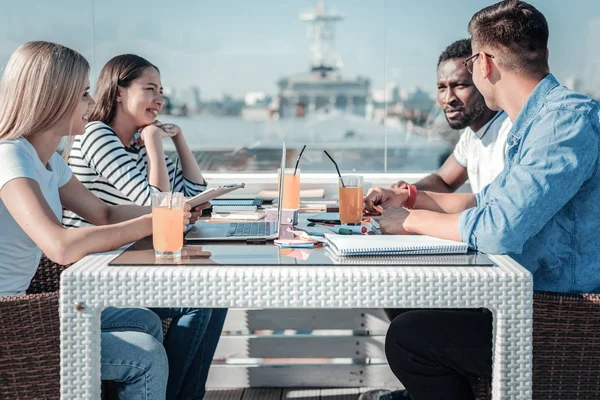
171, 130
187, 215
196, 212
158, 129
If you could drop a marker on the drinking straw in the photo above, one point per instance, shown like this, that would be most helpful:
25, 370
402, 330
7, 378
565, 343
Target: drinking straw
298, 159
336, 167
173, 182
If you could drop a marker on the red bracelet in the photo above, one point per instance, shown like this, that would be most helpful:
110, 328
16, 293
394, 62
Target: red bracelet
412, 195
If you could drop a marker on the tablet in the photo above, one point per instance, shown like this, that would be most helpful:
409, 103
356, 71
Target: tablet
212, 193
325, 218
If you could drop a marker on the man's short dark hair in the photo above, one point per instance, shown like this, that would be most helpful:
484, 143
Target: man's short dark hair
518, 31
460, 49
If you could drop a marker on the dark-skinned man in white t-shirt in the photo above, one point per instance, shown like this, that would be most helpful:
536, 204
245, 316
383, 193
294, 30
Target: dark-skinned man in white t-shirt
479, 153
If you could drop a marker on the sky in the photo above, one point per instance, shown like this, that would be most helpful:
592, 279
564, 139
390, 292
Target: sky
237, 46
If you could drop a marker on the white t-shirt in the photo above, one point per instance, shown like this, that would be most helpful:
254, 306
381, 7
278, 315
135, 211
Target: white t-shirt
19, 255
482, 153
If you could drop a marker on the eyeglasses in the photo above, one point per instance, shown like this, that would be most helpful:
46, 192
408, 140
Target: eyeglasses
469, 61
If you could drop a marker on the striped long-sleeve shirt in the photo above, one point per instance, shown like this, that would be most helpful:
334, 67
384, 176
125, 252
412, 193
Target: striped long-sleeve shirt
115, 173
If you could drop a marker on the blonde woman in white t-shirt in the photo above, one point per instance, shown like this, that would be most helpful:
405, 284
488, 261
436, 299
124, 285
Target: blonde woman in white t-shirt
44, 96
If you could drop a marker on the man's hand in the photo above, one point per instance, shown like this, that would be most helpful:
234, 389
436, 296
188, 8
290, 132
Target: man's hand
392, 221
398, 185
385, 198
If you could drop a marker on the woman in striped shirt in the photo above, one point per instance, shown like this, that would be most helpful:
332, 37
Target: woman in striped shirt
121, 159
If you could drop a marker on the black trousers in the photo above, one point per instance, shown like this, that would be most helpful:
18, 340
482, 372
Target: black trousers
437, 353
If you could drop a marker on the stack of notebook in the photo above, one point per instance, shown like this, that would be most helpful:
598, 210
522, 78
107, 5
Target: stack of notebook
386, 245
237, 210
238, 216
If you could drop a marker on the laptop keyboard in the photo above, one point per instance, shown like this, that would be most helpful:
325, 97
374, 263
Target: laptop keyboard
249, 229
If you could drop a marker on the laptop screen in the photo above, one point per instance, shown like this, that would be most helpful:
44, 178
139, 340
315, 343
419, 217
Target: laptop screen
281, 180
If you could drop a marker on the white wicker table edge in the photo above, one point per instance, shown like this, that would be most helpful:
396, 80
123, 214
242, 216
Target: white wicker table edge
507, 290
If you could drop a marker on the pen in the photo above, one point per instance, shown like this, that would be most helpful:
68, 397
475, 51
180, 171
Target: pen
348, 229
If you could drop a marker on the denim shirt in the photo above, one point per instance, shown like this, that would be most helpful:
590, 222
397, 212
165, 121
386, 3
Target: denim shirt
543, 210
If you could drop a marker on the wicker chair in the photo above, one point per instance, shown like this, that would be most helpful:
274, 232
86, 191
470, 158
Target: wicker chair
29, 338
566, 348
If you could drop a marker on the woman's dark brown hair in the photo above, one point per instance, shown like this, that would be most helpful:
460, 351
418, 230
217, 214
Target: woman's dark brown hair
119, 71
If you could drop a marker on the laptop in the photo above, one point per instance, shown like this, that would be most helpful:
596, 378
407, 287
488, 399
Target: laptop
242, 231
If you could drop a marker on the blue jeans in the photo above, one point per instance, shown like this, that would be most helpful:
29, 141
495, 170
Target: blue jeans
190, 344
132, 353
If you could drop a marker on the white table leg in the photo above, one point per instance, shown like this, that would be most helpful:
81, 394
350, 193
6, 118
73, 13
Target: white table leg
513, 357
79, 350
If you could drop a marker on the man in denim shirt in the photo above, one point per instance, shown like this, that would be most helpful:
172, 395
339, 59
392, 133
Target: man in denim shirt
541, 210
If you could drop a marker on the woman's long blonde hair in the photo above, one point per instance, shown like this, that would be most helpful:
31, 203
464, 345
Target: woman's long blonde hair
41, 86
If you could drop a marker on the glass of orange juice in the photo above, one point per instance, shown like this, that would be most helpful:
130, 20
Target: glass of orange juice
291, 188
351, 199
167, 224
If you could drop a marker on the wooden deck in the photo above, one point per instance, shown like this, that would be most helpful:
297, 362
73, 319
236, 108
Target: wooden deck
285, 394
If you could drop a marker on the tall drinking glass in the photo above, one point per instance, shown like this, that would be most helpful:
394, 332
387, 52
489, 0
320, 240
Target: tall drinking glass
167, 224
291, 188
351, 199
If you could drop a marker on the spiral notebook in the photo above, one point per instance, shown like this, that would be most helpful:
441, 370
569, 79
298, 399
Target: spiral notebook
471, 259
381, 245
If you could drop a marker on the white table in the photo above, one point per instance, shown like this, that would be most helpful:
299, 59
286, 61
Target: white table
91, 285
